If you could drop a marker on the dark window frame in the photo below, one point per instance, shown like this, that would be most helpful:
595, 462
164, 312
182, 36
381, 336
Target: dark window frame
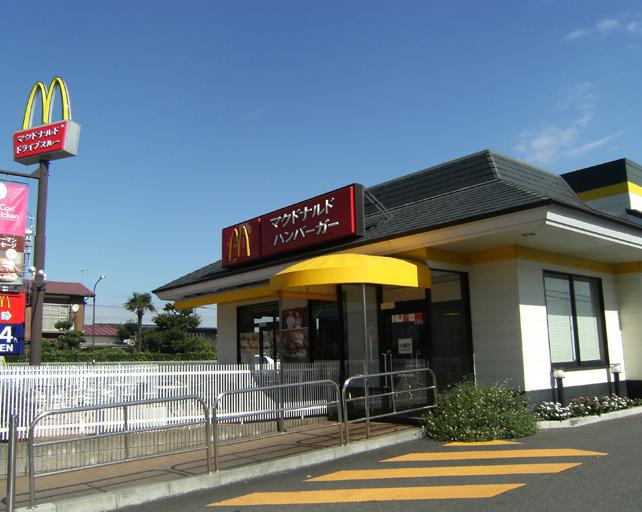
577, 363
253, 308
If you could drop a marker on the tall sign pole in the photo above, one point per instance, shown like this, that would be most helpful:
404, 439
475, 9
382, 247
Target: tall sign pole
40, 144
39, 283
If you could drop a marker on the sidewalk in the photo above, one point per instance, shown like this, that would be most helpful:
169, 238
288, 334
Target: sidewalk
127, 483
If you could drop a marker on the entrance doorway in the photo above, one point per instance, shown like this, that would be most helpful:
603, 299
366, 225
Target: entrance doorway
405, 336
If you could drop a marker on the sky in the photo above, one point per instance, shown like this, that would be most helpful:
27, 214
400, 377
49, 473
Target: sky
200, 114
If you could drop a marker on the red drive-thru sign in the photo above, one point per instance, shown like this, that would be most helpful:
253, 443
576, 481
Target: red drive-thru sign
49, 141
325, 218
12, 308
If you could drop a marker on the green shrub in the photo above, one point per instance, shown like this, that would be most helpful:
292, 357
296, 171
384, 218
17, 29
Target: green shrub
470, 413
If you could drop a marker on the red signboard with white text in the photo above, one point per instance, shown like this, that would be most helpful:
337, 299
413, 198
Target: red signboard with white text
329, 217
48, 142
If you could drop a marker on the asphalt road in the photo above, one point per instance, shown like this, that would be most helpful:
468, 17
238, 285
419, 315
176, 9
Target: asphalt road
446, 478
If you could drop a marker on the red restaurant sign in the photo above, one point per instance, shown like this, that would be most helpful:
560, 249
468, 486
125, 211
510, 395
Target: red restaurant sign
50, 140
12, 308
325, 218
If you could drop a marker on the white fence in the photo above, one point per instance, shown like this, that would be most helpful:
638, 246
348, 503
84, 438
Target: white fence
28, 391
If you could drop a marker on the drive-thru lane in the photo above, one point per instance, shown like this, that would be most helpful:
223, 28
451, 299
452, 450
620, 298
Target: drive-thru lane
594, 467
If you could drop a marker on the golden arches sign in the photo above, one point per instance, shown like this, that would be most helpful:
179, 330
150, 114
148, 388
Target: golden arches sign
47, 95
239, 235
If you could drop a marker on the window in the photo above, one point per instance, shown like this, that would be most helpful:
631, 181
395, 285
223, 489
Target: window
575, 320
54, 313
258, 328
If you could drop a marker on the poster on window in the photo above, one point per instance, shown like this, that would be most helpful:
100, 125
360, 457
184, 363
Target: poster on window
295, 318
404, 346
295, 346
250, 346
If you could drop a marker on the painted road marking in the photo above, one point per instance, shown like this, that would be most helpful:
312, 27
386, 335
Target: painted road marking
482, 443
503, 469
443, 492
493, 454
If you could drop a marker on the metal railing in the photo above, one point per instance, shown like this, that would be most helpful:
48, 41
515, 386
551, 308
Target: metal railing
11, 464
26, 391
277, 413
126, 431
400, 387
404, 387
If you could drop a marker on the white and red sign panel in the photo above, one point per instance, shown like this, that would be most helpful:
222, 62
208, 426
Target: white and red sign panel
12, 308
47, 142
325, 218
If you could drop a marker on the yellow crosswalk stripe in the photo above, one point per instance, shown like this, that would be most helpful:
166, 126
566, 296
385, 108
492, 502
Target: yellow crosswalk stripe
493, 454
442, 492
497, 442
501, 469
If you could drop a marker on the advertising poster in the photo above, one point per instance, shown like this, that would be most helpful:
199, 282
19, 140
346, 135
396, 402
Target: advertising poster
295, 346
13, 222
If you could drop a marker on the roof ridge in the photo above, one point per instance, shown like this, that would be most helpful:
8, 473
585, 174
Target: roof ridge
440, 195
431, 168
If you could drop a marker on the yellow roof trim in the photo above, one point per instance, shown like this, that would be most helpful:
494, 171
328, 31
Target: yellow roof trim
625, 187
237, 295
346, 268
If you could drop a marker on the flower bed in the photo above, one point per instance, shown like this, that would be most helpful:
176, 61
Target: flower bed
583, 406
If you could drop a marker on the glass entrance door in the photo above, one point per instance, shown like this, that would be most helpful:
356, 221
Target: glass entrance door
405, 337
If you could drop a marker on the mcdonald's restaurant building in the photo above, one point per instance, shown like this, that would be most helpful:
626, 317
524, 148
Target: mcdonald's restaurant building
482, 266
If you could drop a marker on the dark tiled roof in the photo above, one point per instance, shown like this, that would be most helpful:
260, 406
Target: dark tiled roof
65, 288
101, 330
481, 185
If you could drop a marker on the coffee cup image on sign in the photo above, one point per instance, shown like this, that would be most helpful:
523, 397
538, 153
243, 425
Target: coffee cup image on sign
295, 345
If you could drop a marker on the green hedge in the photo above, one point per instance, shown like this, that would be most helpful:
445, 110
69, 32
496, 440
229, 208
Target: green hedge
470, 413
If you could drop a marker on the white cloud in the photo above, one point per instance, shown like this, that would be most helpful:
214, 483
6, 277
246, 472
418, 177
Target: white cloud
607, 25
626, 23
576, 34
566, 139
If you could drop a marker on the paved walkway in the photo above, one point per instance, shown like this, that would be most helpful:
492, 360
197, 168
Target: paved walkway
124, 475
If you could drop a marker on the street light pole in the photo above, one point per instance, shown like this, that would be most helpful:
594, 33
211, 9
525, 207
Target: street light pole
93, 320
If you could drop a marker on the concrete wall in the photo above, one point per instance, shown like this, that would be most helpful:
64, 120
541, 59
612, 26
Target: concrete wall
534, 328
630, 294
496, 323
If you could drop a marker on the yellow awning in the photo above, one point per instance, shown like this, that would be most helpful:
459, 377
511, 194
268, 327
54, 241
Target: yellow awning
300, 279
352, 269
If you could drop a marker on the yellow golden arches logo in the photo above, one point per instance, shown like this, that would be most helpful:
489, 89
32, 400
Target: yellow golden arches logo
47, 96
239, 236
2, 298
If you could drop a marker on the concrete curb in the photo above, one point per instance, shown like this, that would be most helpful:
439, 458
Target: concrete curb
138, 495
587, 420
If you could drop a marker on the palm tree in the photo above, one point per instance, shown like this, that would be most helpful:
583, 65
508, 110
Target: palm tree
139, 303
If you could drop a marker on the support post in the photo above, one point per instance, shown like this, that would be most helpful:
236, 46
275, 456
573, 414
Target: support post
11, 463
39, 283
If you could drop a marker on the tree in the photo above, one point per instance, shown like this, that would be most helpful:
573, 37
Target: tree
140, 303
68, 338
171, 334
